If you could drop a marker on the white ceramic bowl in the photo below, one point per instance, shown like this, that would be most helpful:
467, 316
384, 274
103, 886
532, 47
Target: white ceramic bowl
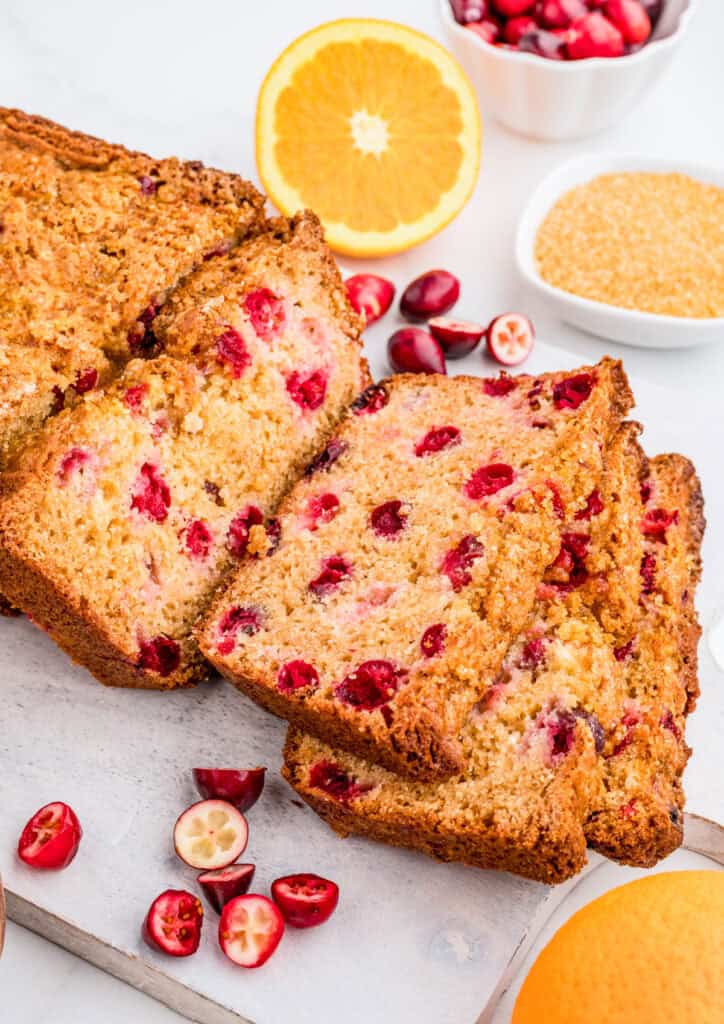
560, 100
642, 330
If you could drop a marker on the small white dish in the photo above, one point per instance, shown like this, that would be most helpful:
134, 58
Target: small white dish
627, 326
563, 100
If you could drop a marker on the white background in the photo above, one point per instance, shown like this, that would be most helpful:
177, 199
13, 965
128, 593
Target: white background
182, 78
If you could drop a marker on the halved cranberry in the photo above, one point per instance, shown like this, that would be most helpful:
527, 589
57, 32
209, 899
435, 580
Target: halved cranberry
152, 496
433, 640
85, 380
51, 838
297, 675
517, 27
369, 295
560, 726
630, 18
544, 44
388, 520
241, 787
240, 528
437, 440
198, 538
430, 294
307, 390
327, 457
370, 685
594, 36
657, 521
238, 619
499, 387
332, 779
231, 349
572, 392
335, 570
321, 509
465, 11
489, 480
250, 929
457, 337
134, 396
533, 653
648, 573
210, 834
559, 508
509, 338
71, 461
412, 350
266, 312
594, 507
173, 923
225, 884
457, 563
560, 13
161, 655
371, 400
305, 900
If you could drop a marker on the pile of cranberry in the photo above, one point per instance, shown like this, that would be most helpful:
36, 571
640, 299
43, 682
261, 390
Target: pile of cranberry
561, 29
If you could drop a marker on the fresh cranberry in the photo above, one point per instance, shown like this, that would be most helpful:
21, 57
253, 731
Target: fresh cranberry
85, 380
594, 36
333, 780
387, 520
543, 44
572, 392
305, 900
240, 528
630, 18
51, 838
433, 640
152, 496
225, 884
70, 463
412, 350
161, 655
510, 338
515, 28
237, 619
430, 294
327, 457
321, 509
657, 521
458, 561
173, 923
669, 722
371, 685
335, 570
489, 480
371, 400
198, 539
648, 573
134, 397
456, 337
560, 13
266, 312
240, 787
499, 387
512, 8
594, 507
570, 562
624, 652
533, 653
307, 389
369, 295
560, 726
297, 675
149, 185
465, 11
437, 440
488, 31
231, 349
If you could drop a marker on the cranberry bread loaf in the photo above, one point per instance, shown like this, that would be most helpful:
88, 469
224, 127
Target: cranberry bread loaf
92, 237
560, 751
120, 519
386, 608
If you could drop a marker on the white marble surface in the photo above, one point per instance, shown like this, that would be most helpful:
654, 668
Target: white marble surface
182, 79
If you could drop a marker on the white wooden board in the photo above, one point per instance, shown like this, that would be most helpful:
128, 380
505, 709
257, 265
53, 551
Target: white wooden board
411, 941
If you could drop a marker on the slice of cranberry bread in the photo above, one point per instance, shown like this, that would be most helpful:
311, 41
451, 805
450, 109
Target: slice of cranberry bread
640, 819
92, 237
627, 802
555, 752
124, 514
386, 608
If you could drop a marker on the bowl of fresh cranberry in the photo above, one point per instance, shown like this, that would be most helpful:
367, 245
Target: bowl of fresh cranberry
564, 69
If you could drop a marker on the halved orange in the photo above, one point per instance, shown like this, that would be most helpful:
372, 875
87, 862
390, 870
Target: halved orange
375, 127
